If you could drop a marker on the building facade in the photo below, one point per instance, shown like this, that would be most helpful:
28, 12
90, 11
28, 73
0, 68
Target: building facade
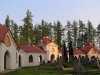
13, 56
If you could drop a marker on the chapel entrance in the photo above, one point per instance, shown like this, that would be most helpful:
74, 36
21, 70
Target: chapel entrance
92, 58
19, 60
7, 58
40, 59
52, 58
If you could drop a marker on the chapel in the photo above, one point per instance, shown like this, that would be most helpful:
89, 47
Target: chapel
13, 56
88, 49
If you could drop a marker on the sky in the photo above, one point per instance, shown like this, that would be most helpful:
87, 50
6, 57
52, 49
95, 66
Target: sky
51, 10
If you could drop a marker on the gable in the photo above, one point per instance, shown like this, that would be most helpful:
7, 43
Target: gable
52, 44
9, 40
93, 51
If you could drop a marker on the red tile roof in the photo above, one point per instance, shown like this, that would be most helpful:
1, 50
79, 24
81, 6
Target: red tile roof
77, 52
31, 48
87, 48
88, 44
59, 51
46, 41
97, 49
3, 32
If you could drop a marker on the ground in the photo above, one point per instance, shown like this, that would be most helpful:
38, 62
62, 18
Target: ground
48, 69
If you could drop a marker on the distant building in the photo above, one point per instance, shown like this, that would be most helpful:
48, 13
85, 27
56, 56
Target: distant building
88, 49
13, 56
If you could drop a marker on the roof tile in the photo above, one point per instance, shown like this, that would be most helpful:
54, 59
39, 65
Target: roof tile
77, 52
46, 41
31, 48
3, 32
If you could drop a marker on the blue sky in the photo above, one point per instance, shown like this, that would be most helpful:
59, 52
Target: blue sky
51, 10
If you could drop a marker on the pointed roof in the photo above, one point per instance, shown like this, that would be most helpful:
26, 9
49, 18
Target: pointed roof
88, 47
31, 48
46, 41
3, 32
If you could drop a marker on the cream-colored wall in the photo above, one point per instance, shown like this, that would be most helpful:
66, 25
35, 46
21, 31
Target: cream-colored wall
49, 53
97, 54
12, 50
77, 55
25, 58
90, 55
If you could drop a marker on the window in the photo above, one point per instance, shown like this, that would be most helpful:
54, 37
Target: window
30, 58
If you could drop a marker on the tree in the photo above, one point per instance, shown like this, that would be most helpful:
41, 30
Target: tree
74, 30
91, 32
64, 52
69, 32
37, 36
81, 34
70, 49
28, 27
7, 22
58, 33
15, 32
98, 36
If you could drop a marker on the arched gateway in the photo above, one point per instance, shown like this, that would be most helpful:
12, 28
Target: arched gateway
7, 59
19, 60
52, 58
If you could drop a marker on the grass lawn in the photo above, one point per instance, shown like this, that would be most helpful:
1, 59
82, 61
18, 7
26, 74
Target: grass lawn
46, 69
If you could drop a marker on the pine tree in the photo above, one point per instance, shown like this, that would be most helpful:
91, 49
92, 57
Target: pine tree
7, 22
69, 32
81, 34
15, 32
74, 30
91, 32
28, 27
65, 58
58, 33
37, 36
70, 49
98, 36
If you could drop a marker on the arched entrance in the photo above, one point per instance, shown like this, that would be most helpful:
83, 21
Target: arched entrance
7, 58
40, 58
52, 58
19, 60
92, 58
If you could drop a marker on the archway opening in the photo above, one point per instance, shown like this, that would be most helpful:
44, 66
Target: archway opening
30, 58
7, 59
19, 60
52, 58
92, 58
40, 58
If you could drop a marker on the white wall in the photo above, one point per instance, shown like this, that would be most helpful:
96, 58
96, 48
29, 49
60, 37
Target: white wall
12, 50
25, 58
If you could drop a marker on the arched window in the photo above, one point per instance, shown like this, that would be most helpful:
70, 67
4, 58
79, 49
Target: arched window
30, 58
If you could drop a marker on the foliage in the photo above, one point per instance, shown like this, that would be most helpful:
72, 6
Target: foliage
70, 49
78, 32
65, 51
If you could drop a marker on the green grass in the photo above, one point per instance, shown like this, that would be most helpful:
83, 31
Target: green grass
88, 66
47, 69
68, 65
